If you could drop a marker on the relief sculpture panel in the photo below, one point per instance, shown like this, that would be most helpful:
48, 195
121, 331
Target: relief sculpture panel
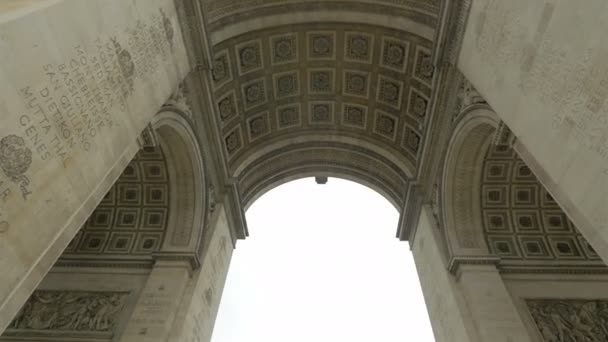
76, 311
567, 320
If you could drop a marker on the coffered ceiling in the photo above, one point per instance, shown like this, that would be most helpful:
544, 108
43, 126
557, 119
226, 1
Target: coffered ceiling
131, 220
522, 222
324, 83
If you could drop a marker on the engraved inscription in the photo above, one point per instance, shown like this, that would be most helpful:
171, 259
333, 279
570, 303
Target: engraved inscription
154, 306
78, 98
572, 84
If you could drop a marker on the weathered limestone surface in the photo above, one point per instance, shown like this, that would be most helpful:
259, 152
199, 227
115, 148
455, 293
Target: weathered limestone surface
492, 309
445, 304
158, 302
542, 66
79, 81
196, 318
472, 306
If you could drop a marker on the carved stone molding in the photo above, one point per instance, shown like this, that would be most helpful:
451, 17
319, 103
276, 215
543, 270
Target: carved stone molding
436, 204
194, 29
450, 31
212, 198
455, 262
544, 269
466, 98
179, 100
570, 320
73, 311
503, 136
148, 137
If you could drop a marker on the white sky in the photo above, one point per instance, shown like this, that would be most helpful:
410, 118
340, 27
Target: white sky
322, 264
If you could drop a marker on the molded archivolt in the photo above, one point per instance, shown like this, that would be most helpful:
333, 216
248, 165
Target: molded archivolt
496, 211
461, 186
222, 13
332, 159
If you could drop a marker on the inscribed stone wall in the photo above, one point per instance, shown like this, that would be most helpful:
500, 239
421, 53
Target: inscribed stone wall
79, 81
542, 67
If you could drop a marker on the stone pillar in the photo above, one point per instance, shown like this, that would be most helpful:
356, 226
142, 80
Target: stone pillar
491, 307
542, 67
473, 306
200, 304
79, 80
158, 302
447, 310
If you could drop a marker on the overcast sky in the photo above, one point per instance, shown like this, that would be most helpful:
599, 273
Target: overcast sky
322, 264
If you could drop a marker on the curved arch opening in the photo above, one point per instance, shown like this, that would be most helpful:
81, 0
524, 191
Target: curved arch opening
313, 265
496, 210
321, 171
187, 185
461, 184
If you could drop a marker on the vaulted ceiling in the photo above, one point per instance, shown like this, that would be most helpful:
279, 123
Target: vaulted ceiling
523, 224
322, 86
131, 220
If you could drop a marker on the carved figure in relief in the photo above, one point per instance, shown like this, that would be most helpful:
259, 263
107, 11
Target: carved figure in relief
467, 96
570, 320
70, 310
179, 99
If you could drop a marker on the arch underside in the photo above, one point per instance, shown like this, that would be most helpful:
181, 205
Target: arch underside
522, 223
323, 159
495, 210
157, 205
330, 94
129, 224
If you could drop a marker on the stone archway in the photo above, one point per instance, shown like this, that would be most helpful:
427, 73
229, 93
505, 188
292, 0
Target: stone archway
493, 206
188, 188
461, 185
511, 248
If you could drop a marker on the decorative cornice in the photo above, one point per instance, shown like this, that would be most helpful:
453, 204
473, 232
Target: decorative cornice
450, 31
65, 262
505, 267
193, 259
457, 261
553, 270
